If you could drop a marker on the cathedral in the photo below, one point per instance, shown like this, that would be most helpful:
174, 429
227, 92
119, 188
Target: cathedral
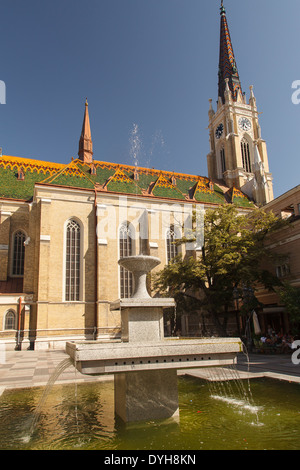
63, 227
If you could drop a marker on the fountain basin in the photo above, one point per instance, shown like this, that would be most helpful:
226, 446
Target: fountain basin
145, 374
146, 302
92, 426
140, 266
139, 263
95, 358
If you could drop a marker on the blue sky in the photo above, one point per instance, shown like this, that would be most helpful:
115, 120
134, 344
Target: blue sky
149, 63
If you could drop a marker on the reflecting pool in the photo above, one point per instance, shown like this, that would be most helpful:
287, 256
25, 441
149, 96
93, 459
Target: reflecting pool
81, 416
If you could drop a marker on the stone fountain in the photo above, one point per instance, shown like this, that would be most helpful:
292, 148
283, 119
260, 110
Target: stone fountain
143, 362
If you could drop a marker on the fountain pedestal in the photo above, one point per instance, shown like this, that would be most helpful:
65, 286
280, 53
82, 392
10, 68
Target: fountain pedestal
143, 362
146, 395
142, 319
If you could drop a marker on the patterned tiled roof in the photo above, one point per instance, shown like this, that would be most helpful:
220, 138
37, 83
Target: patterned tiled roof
164, 187
238, 198
227, 64
35, 170
110, 178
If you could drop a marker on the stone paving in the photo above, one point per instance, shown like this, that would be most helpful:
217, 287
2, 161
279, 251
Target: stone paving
23, 369
279, 367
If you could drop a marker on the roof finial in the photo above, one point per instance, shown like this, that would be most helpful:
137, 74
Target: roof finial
222, 8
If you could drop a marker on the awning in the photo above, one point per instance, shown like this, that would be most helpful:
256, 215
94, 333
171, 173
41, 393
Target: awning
257, 329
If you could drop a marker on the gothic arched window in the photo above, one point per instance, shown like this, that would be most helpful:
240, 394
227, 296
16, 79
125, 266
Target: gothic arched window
18, 253
126, 249
10, 320
246, 156
223, 161
73, 260
172, 248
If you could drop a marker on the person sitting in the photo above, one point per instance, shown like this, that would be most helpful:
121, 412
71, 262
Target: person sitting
287, 342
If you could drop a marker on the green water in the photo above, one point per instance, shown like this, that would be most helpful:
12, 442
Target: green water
82, 417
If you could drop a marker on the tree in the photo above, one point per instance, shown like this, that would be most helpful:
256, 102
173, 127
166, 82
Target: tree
230, 258
290, 297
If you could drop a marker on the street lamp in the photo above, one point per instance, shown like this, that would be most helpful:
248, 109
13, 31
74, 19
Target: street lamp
247, 297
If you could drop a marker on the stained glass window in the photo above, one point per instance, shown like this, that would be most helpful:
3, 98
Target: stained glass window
73, 255
172, 248
126, 249
18, 253
246, 156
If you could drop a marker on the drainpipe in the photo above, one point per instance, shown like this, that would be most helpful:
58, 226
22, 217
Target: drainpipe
18, 347
96, 270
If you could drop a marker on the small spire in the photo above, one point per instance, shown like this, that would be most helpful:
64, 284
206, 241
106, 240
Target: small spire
227, 92
85, 152
252, 100
211, 110
257, 159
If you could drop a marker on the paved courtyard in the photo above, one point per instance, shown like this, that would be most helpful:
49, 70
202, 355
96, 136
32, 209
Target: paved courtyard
278, 367
23, 369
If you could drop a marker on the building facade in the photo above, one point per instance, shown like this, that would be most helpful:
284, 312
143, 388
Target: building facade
285, 244
63, 227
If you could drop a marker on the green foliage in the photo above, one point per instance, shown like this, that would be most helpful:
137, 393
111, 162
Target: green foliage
231, 257
290, 297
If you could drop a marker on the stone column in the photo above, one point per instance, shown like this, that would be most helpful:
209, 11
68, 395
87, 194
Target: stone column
145, 395
148, 394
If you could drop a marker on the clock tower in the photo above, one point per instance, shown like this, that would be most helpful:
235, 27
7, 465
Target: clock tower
238, 154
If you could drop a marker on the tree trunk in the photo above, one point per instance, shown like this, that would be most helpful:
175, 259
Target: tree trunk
219, 327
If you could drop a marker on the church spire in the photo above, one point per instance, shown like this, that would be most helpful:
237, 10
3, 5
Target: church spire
227, 64
85, 152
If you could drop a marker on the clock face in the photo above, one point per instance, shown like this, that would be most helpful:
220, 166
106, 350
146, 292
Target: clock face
219, 131
244, 124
